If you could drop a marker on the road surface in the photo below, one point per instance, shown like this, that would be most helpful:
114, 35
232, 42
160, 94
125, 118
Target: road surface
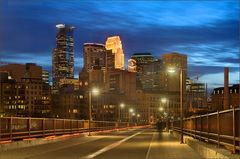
129, 144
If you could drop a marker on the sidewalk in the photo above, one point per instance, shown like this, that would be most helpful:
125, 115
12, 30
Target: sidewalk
166, 146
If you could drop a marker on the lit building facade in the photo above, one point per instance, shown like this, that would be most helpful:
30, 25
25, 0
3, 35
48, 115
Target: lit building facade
115, 45
94, 56
45, 76
132, 65
170, 82
142, 59
66, 82
176, 61
63, 55
12, 96
32, 94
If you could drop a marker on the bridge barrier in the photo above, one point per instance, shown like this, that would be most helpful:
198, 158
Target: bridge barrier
221, 128
17, 128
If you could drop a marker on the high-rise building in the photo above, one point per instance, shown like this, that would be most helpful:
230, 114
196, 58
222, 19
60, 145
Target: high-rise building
63, 55
177, 62
94, 56
115, 45
45, 76
142, 59
170, 82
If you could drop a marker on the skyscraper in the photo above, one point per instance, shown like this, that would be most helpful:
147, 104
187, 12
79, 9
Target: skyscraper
94, 56
176, 61
115, 45
63, 55
142, 60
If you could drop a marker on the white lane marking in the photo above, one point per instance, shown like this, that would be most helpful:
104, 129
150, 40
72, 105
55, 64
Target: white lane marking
109, 147
149, 148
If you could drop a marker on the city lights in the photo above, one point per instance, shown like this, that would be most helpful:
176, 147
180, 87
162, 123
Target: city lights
64, 78
160, 109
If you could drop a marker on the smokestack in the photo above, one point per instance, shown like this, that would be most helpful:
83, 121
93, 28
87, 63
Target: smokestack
226, 89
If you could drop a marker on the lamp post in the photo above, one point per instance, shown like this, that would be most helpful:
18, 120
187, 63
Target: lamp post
93, 91
165, 102
181, 100
121, 106
138, 116
129, 112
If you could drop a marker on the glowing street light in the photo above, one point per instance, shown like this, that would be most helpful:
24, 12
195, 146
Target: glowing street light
121, 106
164, 100
172, 70
95, 92
131, 110
160, 109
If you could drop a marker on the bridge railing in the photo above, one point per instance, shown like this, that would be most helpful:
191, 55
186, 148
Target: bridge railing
14, 128
222, 128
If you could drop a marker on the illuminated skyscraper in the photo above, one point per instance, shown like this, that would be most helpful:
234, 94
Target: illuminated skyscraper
115, 45
63, 55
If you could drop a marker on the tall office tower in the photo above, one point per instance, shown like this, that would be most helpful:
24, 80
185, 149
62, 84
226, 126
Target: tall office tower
45, 76
63, 55
142, 60
94, 56
115, 45
169, 80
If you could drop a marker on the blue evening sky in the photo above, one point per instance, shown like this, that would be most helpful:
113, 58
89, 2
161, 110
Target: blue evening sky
206, 31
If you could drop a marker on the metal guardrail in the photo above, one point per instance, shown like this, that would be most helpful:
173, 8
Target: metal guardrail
16, 128
221, 128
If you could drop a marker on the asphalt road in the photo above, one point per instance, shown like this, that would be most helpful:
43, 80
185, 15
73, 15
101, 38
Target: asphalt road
133, 144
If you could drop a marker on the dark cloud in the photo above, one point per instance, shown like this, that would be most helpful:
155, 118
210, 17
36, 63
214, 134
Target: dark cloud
210, 39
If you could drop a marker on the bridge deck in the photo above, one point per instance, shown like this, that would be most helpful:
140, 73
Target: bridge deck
129, 144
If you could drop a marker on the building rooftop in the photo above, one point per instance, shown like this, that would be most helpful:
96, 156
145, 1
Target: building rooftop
142, 54
60, 26
93, 44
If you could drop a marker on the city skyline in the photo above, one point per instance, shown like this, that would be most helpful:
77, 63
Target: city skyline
200, 30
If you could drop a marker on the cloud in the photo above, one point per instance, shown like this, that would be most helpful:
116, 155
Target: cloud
216, 79
207, 31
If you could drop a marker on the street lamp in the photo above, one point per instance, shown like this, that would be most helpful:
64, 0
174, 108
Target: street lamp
160, 109
171, 70
95, 92
165, 102
121, 106
131, 110
138, 116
